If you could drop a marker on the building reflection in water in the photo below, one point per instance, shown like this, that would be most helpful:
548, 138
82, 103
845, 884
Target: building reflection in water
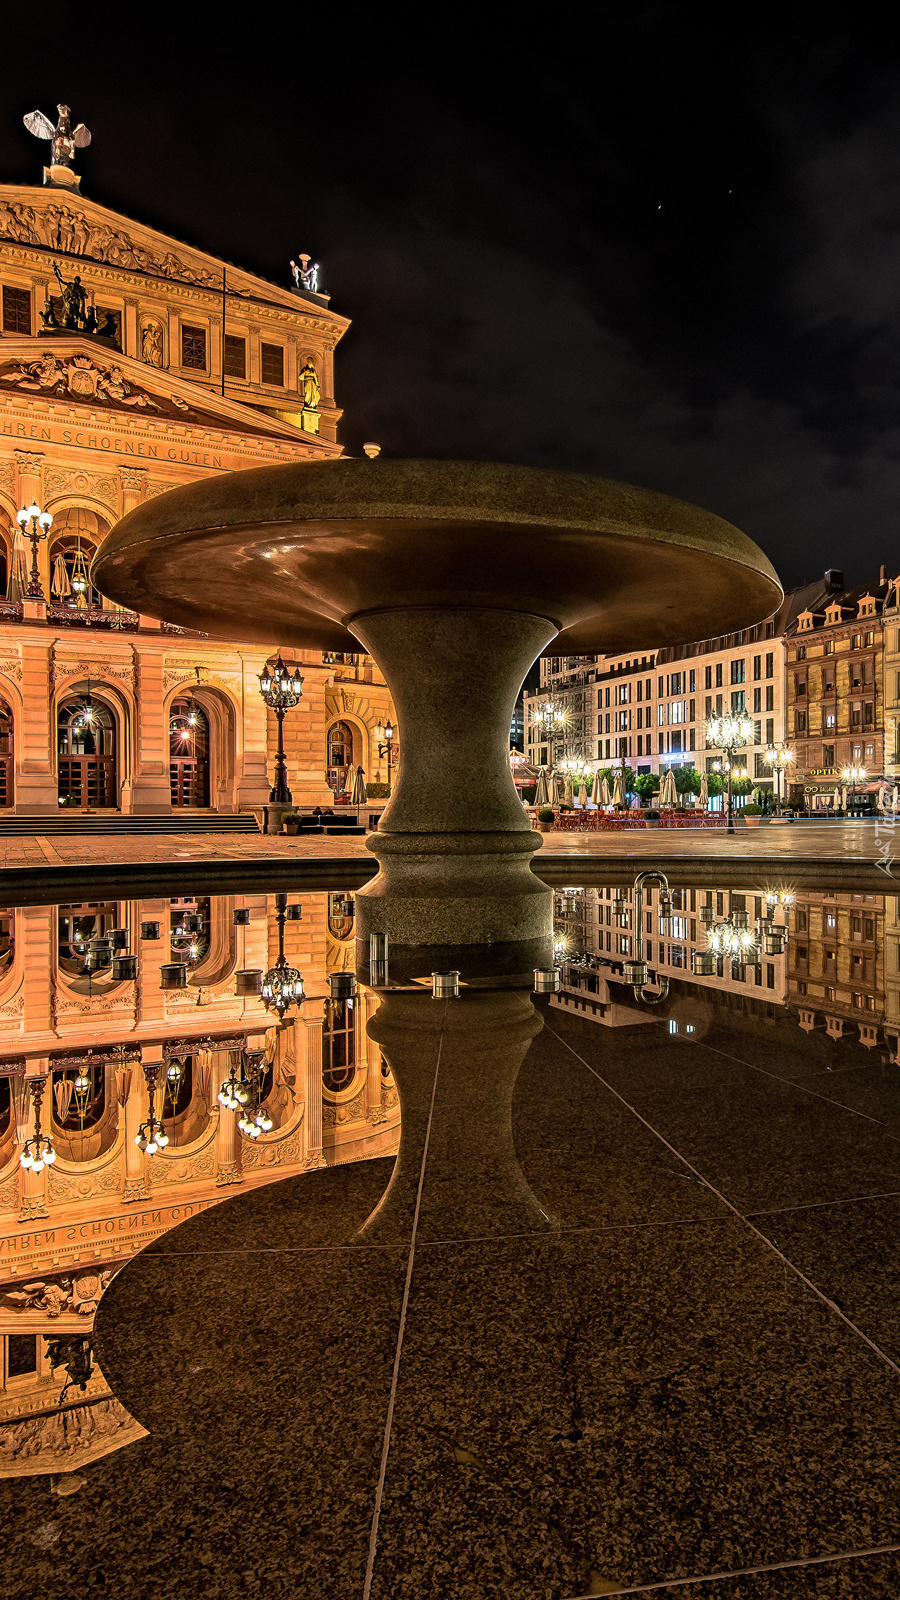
319, 1079
70, 1023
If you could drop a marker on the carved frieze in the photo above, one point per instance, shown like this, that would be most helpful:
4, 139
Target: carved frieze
57, 227
284, 1152
61, 671
58, 1294
134, 478
97, 485
11, 669
337, 1115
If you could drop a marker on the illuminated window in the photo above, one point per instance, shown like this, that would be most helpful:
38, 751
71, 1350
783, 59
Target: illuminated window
235, 356
271, 364
193, 348
16, 310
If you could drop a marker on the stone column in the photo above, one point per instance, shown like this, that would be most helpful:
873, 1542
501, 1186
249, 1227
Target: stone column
133, 481
36, 785
374, 1112
228, 1166
30, 465
313, 1092
33, 1193
135, 1186
151, 792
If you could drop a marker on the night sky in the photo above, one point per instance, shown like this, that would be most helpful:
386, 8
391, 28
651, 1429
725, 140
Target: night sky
608, 239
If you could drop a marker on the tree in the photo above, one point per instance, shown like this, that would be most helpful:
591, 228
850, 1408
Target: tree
687, 780
610, 773
714, 779
741, 786
647, 785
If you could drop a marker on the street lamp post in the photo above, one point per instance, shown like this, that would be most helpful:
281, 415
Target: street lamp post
38, 523
728, 734
281, 689
388, 746
779, 758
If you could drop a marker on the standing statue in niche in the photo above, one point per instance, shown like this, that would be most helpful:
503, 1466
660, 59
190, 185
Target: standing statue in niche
151, 344
65, 139
308, 384
306, 276
74, 300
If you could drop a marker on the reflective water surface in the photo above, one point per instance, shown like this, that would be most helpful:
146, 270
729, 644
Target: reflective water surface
624, 1310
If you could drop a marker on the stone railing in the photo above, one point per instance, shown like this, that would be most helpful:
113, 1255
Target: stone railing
10, 610
93, 617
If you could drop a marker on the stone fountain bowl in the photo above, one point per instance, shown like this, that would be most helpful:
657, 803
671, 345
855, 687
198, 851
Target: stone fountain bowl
293, 554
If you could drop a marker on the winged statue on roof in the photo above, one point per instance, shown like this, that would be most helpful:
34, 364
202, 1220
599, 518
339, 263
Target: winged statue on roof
65, 139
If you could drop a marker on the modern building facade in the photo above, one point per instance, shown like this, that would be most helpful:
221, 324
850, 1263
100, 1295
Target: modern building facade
131, 364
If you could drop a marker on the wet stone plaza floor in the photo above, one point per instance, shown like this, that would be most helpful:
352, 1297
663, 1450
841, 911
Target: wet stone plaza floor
621, 1317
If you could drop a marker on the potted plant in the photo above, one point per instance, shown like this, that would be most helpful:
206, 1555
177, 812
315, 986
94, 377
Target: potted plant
290, 821
546, 818
651, 819
751, 815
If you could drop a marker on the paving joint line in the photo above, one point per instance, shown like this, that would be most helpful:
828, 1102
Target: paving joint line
819, 1293
749, 1572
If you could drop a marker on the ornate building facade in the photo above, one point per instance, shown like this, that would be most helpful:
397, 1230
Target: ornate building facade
131, 364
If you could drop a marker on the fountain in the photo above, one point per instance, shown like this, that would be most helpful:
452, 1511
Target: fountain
455, 576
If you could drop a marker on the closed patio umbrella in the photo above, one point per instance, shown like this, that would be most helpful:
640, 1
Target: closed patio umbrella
668, 794
704, 790
895, 797
605, 797
60, 587
542, 792
597, 790
618, 795
582, 795
17, 581
567, 792
359, 797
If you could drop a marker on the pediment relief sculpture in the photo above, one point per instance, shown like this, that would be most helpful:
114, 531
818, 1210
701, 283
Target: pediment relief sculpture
59, 227
79, 377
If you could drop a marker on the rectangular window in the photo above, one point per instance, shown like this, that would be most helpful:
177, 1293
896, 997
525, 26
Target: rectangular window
718, 674
639, 689
235, 356
16, 310
659, 688
830, 720
660, 715
640, 749
800, 721
770, 697
828, 755
271, 364
692, 687
718, 705
770, 730
737, 671
692, 739
757, 699
647, 690
737, 700
757, 667
193, 348
707, 677
677, 712
770, 662
676, 683
800, 687
870, 638
829, 647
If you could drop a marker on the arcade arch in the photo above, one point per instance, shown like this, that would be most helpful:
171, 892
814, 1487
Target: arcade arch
87, 751
75, 536
203, 766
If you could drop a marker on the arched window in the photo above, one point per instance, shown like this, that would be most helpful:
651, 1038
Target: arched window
341, 914
338, 1045
7, 941
74, 539
86, 734
338, 755
76, 926
189, 929
79, 1095
188, 753
6, 755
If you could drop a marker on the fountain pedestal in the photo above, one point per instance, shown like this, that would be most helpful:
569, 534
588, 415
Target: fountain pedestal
454, 845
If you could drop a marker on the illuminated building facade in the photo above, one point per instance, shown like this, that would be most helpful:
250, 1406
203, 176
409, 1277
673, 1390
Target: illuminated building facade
131, 364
